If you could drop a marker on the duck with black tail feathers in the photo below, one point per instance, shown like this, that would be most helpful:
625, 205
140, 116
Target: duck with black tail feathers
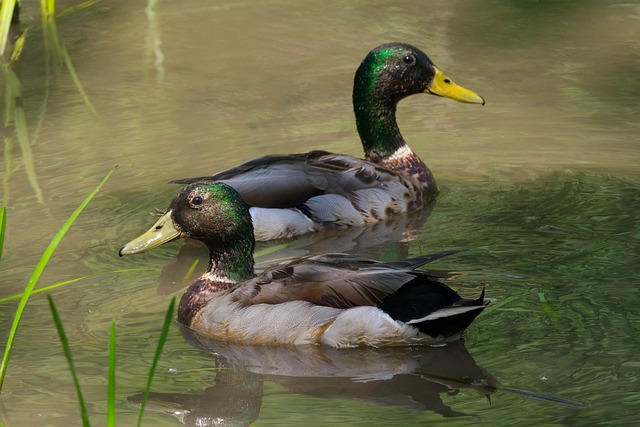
337, 300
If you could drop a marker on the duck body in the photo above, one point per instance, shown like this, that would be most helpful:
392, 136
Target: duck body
337, 300
294, 194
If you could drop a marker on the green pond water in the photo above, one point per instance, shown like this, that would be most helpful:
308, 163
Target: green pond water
541, 187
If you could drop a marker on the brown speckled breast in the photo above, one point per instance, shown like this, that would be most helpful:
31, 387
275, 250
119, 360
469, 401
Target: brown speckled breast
196, 297
411, 166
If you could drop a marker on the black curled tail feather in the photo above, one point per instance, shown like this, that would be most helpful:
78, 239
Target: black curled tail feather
441, 314
451, 321
473, 302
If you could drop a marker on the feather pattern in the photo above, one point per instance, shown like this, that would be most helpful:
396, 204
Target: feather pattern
334, 299
334, 190
295, 194
334, 280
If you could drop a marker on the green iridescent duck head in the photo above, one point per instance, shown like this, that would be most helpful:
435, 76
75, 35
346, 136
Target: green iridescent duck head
388, 74
213, 213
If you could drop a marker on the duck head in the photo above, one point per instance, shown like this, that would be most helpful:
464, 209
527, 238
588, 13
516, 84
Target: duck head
211, 212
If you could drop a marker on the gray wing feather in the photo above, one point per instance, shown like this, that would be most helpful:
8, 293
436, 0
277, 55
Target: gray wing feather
289, 181
333, 280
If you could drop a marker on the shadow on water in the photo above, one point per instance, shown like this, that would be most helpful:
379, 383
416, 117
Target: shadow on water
409, 377
414, 378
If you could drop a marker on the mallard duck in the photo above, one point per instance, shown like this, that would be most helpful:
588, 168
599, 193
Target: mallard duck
334, 299
294, 194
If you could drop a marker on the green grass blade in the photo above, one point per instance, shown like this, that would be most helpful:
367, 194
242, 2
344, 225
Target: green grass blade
48, 6
60, 51
52, 46
67, 282
74, 8
272, 249
76, 80
161, 341
8, 167
50, 51
3, 226
496, 305
546, 306
153, 41
47, 72
19, 45
15, 115
27, 153
111, 392
187, 276
38, 272
67, 353
6, 13
56, 49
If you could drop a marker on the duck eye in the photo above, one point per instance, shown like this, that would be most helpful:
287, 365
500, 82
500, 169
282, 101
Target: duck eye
197, 200
409, 60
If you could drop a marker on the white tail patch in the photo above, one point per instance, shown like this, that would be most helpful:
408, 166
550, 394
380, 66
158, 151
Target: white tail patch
445, 312
370, 326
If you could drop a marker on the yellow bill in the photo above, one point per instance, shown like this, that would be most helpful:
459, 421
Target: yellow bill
444, 86
161, 232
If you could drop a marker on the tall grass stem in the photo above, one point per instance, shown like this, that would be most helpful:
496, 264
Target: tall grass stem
161, 341
38, 272
16, 115
111, 392
6, 14
67, 353
70, 281
3, 226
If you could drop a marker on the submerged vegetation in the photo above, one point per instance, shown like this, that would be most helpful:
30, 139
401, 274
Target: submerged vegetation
12, 42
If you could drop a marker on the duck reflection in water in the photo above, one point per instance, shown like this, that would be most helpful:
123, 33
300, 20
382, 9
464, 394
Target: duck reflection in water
411, 377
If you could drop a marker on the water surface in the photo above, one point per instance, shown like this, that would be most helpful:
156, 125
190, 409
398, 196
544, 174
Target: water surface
540, 186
